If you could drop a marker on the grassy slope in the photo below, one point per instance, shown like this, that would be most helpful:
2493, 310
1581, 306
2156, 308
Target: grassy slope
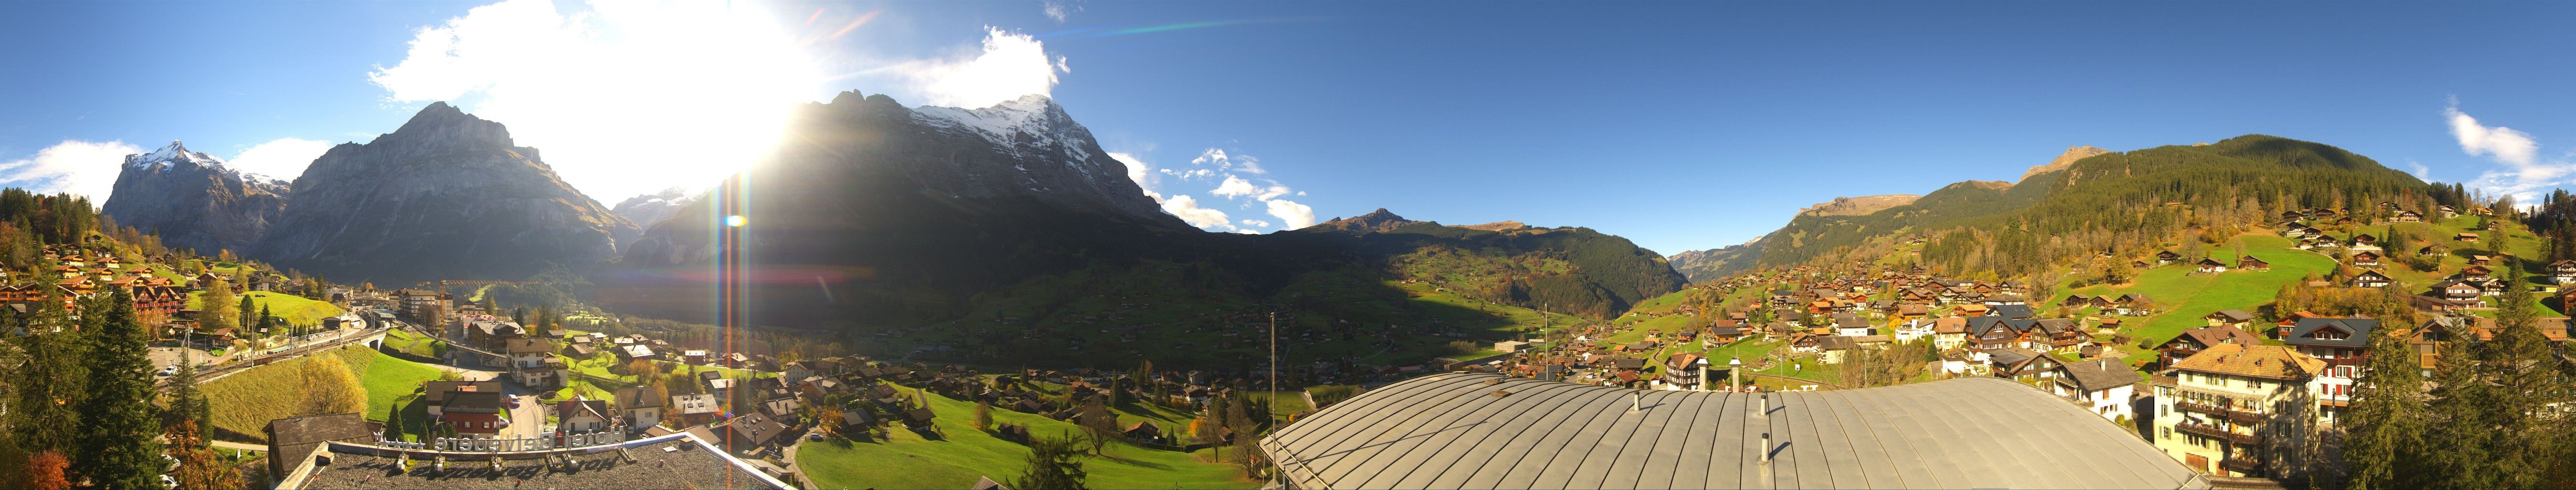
294, 309
2187, 298
244, 402
910, 461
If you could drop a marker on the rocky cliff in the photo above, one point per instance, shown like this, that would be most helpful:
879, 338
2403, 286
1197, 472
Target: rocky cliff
2063, 160
895, 212
1847, 206
193, 201
446, 196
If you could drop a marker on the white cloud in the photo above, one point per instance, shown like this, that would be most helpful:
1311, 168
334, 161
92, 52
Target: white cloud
1234, 187
2504, 144
623, 97
86, 168
2523, 172
282, 158
1059, 10
1295, 215
2419, 170
1255, 223
1188, 210
1229, 162
1010, 65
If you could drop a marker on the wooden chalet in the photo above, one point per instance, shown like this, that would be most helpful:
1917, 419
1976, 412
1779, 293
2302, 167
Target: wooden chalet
2252, 264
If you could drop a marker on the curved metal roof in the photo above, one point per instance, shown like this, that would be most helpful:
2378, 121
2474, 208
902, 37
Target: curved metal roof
1472, 430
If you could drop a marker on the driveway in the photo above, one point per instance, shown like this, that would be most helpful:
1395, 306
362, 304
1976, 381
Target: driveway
527, 421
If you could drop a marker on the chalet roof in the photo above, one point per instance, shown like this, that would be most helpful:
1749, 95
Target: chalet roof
635, 397
1467, 430
2013, 311
2357, 332
1838, 342
2257, 361
2232, 315
473, 402
2099, 374
2209, 336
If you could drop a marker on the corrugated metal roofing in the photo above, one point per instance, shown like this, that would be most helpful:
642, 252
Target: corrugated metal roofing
1474, 430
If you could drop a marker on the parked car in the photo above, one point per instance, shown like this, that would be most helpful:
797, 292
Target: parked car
168, 370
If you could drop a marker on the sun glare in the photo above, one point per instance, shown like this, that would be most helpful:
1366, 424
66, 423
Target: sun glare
622, 97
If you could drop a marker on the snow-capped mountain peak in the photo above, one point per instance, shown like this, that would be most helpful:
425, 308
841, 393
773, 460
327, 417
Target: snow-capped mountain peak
173, 154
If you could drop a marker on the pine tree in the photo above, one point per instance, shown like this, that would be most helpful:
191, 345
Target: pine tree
249, 323
116, 424
2457, 416
51, 383
1052, 464
2522, 372
2385, 426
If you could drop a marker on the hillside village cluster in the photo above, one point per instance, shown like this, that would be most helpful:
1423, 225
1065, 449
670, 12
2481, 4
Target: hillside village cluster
2231, 397
749, 409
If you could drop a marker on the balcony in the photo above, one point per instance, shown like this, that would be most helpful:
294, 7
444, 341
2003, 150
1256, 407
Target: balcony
2241, 465
2232, 415
2217, 433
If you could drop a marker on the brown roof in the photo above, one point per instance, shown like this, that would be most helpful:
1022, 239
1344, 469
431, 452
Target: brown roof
292, 439
2210, 336
2259, 361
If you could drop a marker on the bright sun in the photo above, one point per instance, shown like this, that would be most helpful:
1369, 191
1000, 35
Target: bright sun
622, 98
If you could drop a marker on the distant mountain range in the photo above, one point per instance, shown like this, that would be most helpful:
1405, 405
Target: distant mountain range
903, 214
446, 196
895, 215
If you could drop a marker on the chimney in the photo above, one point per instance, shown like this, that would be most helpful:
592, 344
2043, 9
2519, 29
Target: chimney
1636, 402
1766, 448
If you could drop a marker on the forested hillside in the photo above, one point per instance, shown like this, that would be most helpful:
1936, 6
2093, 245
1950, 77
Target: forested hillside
2122, 202
2111, 202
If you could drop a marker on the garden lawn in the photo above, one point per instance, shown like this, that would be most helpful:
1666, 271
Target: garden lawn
293, 309
910, 461
245, 401
390, 381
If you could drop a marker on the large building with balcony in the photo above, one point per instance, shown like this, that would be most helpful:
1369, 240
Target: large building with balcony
2239, 410
2341, 344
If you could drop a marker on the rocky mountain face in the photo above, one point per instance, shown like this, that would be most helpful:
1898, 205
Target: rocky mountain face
1715, 263
193, 201
650, 209
446, 196
897, 212
1846, 206
2073, 153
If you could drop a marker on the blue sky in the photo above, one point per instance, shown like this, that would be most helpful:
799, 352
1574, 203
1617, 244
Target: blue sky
1679, 125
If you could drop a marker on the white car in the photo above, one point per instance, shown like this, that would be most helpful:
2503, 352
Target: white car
168, 370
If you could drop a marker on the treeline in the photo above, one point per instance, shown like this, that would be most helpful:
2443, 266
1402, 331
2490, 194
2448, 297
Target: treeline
2492, 415
82, 411
1605, 276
